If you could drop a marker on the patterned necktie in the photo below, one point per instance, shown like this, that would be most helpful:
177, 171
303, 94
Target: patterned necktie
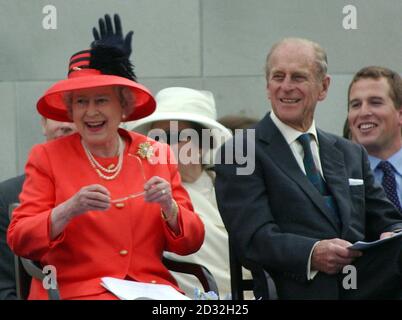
389, 183
314, 175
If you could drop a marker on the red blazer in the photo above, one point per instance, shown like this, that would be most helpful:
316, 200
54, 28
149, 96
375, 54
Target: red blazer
126, 241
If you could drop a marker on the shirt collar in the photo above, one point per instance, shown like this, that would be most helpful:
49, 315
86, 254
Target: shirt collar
395, 160
290, 134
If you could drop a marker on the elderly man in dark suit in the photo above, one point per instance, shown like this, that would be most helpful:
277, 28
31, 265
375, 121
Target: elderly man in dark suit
9, 191
311, 194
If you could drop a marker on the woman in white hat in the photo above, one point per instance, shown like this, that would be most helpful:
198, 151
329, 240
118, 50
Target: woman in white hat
94, 204
179, 113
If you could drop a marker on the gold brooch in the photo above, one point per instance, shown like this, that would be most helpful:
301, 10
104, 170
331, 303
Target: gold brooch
145, 150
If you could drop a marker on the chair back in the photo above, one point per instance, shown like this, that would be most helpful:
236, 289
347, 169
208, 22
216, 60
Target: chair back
238, 284
203, 275
264, 288
26, 269
22, 279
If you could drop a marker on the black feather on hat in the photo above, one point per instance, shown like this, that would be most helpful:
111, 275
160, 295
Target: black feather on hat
111, 60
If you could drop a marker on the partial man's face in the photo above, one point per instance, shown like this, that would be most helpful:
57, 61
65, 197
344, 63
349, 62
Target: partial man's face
373, 119
293, 87
55, 129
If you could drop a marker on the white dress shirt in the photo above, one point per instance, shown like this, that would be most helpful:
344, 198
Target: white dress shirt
290, 134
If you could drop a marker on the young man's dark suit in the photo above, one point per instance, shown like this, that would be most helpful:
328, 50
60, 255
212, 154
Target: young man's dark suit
9, 191
275, 215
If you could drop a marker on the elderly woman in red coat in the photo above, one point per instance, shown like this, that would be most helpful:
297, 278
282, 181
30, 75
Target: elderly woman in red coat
104, 201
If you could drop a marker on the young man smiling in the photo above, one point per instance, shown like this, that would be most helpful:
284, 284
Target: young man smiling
375, 120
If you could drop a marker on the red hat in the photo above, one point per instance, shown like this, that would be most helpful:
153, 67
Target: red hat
82, 75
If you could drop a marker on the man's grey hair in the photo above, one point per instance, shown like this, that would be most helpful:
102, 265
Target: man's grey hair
321, 60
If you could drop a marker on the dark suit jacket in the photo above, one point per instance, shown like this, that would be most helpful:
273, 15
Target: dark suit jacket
9, 191
275, 215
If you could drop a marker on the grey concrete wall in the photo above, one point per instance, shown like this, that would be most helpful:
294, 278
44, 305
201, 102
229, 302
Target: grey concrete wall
219, 45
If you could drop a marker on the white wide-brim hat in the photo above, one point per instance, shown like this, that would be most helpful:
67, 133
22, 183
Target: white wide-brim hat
185, 104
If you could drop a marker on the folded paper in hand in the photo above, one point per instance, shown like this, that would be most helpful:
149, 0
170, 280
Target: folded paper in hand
361, 245
133, 290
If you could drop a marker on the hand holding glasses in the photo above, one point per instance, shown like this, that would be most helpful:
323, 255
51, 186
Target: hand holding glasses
155, 189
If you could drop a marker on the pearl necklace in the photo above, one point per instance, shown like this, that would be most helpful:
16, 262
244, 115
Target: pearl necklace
99, 168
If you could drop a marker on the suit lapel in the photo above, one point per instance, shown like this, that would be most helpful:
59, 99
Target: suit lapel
333, 167
280, 152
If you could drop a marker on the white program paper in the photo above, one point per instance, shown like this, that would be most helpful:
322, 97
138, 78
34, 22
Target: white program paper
133, 290
361, 245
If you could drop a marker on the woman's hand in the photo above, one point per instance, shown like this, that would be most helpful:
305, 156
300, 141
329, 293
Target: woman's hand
159, 190
93, 197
